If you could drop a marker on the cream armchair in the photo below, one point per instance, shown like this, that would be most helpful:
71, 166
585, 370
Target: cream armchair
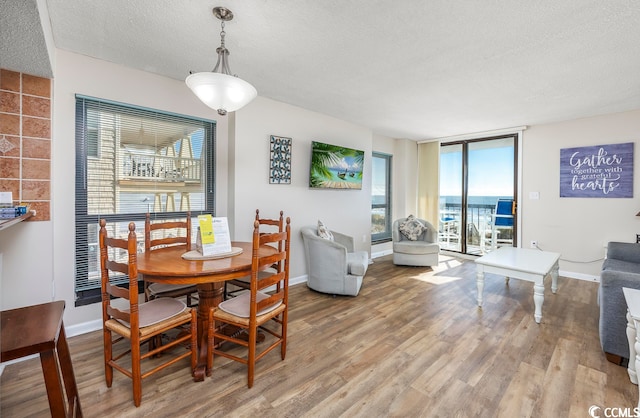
422, 250
333, 266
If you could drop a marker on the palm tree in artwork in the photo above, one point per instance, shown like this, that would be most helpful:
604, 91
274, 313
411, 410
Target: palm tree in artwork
325, 156
322, 157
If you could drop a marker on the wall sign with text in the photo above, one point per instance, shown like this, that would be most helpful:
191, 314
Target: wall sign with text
597, 171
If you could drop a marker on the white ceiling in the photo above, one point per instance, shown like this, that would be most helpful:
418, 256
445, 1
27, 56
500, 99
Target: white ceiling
414, 69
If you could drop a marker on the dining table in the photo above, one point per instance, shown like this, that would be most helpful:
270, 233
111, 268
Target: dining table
167, 265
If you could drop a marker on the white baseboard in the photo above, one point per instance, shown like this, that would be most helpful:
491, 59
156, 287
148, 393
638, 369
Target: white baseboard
18, 360
579, 276
83, 328
563, 273
95, 325
381, 253
298, 280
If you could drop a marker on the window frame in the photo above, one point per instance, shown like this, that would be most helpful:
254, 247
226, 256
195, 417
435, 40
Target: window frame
85, 295
386, 235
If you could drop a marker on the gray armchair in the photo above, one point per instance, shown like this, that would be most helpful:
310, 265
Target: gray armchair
620, 269
423, 251
333, 266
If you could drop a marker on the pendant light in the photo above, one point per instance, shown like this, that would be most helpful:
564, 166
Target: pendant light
219, 89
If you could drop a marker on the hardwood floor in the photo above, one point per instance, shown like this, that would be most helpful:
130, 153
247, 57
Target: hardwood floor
413, 343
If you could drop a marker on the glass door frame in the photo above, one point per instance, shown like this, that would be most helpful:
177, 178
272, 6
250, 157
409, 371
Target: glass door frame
465, 185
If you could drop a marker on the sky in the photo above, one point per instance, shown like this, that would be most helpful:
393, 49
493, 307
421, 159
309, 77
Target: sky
378, 181
490, 172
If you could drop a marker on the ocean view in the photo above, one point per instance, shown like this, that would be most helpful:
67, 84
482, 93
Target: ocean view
472, 200
455, 200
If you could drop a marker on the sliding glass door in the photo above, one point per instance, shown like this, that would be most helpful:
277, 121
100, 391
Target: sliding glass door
477, 195
451, 193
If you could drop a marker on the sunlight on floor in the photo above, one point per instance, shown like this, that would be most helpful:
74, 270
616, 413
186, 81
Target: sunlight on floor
429, 278
437, 275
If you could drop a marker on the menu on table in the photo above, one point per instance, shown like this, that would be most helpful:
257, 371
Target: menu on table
213, 235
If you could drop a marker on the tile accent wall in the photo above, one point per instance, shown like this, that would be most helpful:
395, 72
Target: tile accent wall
25, 140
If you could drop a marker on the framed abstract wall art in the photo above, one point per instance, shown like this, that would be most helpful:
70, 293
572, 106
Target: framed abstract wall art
280, 161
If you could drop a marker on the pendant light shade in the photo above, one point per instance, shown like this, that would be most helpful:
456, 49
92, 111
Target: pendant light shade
219, 89
222, 92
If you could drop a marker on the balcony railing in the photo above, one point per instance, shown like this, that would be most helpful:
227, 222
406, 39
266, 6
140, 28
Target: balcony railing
477, 214
161, 168
479, 217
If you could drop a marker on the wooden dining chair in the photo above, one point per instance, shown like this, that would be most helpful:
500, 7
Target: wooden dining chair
138, 323
160, 235
235, 286
264, 307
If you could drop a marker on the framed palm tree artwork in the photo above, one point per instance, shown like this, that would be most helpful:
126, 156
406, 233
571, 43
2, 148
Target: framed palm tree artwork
280, 163
335, 167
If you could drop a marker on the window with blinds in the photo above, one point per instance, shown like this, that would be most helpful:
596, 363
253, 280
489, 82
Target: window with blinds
130, 161
380, 198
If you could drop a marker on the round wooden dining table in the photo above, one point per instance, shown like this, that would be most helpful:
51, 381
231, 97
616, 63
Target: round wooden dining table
166, 265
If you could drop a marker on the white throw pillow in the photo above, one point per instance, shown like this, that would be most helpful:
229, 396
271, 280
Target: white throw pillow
323, 231
412, 228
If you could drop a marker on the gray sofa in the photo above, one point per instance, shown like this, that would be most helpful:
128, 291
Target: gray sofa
620, 269
333, 266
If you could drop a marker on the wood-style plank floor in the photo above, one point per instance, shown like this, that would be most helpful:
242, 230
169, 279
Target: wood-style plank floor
413, 343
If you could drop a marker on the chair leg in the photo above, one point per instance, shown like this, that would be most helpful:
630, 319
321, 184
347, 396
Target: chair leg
147, 294
283, 345
194, 342
108, 354
136, 372
210, 343
251, 360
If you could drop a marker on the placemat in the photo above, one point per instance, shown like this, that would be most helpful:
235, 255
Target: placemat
194, 255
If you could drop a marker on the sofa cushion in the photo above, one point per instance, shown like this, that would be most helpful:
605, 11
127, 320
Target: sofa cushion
357, 263
323, 231
412, 228
619, 265
625, 251
415, 247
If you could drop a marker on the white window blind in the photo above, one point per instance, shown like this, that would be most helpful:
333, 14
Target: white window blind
130, 161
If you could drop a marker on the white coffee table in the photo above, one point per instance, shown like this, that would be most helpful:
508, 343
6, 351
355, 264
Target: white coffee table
521, 263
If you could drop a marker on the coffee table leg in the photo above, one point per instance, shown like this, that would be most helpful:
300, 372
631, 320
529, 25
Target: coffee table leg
538, 299
554, 278
636, 360
631, 338
480, 283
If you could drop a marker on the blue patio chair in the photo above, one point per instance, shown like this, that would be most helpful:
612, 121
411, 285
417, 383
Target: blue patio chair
502, 219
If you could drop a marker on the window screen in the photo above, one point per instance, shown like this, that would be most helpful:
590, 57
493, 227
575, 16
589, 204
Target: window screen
130, 161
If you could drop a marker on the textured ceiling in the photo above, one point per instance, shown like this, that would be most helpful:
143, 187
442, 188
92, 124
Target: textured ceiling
407, 69
22, 40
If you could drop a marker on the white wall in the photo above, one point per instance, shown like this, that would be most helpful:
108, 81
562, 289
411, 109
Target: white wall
77, 74
27, 253
404, 180
578, 228
347, 211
